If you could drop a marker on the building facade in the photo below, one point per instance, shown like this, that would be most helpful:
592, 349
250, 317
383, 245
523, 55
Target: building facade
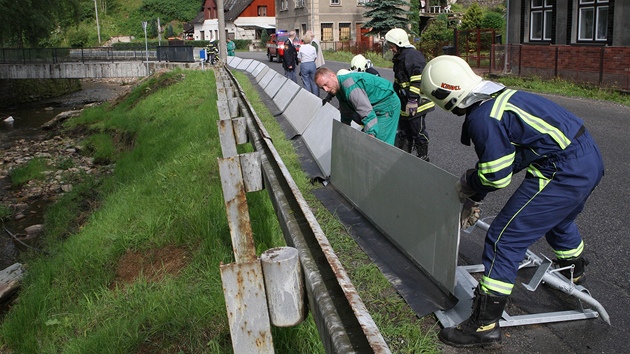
330, 20
244, 19
579, 40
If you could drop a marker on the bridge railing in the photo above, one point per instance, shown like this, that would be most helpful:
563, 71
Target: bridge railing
73, 55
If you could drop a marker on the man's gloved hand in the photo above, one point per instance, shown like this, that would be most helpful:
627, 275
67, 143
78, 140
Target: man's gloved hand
412, 107
470, 213
461, 186
327, 99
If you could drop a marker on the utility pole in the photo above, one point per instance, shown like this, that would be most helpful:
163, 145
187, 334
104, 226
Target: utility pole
146, 44
222, 33
159, 33
98, 28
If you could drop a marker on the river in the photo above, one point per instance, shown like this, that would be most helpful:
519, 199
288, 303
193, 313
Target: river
26, 125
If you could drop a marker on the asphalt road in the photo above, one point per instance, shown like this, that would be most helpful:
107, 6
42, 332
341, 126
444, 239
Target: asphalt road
602, 224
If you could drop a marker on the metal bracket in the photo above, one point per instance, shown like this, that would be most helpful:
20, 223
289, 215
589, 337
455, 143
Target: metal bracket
544, 273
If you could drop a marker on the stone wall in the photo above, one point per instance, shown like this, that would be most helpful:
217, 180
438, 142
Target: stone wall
30, 90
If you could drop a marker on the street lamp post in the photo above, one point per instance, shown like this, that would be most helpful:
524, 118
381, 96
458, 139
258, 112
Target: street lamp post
146, 44
98, 28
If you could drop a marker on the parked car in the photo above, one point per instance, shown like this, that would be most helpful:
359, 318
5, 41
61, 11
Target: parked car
275, 45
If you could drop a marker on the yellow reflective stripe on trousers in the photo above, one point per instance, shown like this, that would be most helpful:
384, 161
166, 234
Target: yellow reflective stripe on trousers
500, 104
415, 90
416, 78
427, 105
542, 179
541, 126
498, 287
576, 252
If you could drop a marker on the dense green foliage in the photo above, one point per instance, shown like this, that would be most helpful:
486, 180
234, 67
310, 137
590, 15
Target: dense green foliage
472, 17
55, 23
435, 36
385, 15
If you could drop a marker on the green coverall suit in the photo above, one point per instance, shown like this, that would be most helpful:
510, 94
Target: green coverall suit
370, 101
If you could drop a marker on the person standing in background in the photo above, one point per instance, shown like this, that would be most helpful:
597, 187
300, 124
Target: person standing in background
320, 54
289, 59
307, 56
408, 65
231, 47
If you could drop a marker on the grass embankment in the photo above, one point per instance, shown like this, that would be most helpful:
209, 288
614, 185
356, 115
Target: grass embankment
141, 274
134, 257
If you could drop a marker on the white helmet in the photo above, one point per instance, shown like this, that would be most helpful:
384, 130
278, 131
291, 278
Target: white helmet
359, 63
449, 81
399, 37
343, 72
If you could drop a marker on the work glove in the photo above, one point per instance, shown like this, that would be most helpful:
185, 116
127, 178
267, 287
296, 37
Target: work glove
327, 99
461, 186
470, 213
412, 107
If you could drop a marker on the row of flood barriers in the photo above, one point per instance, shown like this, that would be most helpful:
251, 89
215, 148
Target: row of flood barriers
381, 183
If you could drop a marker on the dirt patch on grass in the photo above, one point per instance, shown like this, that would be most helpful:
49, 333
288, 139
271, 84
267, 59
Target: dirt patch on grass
152, 265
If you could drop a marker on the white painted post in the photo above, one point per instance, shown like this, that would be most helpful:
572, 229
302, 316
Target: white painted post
284, 286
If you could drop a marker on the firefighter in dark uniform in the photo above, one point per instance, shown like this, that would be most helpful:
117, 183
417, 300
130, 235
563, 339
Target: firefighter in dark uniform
408, 65
513, 131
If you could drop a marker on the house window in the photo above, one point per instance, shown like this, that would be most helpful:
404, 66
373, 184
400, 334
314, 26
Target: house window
262, 10
299, 4
540, 25
363, 2
284, 5
592, 20
344, 31
327, 32
335, 2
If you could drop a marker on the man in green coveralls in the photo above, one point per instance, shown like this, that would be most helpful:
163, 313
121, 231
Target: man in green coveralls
367, 99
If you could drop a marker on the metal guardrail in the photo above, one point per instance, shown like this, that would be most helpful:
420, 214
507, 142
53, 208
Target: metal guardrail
344, 324
97, 54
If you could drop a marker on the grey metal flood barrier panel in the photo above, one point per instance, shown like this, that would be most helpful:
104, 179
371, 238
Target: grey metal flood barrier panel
285, 94
318, 136
411, 201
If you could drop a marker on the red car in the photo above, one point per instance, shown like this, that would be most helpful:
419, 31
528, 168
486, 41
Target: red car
275, 45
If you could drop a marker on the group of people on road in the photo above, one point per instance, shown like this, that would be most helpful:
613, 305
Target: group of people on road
511, 131
309, 57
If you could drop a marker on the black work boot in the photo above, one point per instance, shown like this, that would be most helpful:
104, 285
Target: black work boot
422, 151
579, 264
481, 329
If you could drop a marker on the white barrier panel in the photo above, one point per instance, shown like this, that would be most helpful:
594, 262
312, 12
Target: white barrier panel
285, 95
265, 69
233, 62
274, 85
258, 69
266, 79
244, 64
303, 109
411, 201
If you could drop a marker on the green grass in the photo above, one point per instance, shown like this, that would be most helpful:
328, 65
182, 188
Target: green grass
32, 170
164, 198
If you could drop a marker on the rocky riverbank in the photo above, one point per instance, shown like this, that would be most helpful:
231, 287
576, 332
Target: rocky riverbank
66, 165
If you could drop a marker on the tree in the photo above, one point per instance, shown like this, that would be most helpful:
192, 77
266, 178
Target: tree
30, 22
385, 15
436, 35
473, 17
414, 17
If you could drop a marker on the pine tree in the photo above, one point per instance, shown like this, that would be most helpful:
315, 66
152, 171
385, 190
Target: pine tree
385, 15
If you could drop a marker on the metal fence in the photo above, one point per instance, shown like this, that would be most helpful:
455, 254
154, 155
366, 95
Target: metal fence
98, 54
